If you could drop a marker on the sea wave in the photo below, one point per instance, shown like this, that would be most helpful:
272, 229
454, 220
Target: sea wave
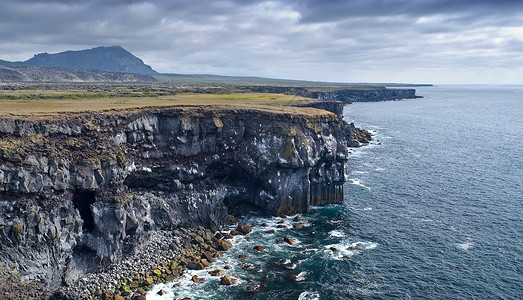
309, 296
357, 182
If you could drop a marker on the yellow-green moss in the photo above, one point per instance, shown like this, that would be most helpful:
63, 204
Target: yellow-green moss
17, 228
218, 123
289, 148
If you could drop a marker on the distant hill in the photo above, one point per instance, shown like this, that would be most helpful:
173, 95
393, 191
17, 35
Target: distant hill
110, 59
90, 65
208, 79
47, 74
10, 64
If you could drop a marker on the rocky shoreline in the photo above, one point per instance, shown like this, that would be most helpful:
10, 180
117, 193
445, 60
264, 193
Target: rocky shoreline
165, 257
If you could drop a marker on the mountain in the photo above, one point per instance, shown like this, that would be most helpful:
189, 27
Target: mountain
110, 59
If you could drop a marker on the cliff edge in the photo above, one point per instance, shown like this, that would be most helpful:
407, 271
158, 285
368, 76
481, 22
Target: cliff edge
83, 190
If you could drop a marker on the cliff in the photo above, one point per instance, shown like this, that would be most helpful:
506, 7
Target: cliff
364, 94
79, 191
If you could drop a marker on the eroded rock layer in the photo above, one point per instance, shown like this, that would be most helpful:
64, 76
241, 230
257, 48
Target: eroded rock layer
81, 191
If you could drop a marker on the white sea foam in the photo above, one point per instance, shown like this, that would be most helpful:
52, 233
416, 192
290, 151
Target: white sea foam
336, 233
301, 276
357, 181
363, 209
380, 169
359, 172
465, 246
309, 296
364, 245
346, 249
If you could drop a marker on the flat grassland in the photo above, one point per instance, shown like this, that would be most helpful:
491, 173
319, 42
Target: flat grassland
45, 103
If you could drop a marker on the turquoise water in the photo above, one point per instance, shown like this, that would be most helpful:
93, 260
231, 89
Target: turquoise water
433, 210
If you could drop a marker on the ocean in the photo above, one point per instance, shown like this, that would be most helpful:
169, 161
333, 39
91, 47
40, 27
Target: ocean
433, 210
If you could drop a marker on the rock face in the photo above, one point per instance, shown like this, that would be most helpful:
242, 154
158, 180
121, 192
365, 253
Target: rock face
78, 192
365, 95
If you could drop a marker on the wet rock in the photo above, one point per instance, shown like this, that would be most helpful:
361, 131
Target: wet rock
265, 224
205, 262
196, 279
196, 265
259, 248
243, 256
244, 228
118, 297
354, 247
288, 240
139, 297
208, 256
281, 222
235, 233
227, 280
297, 218
217, 272
333, 249
270, 231
160, 293
298, 226
253, 288
281, 226
224, 245
227, 267
246, 266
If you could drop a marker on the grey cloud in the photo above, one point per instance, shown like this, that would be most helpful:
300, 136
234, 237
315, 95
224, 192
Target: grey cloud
307, 39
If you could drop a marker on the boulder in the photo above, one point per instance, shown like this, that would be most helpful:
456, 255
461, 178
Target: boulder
198, 240
196, 265
208, 256
244, 228
227, 280
288, 240
224, 245
298, 226
259, 248
217, 272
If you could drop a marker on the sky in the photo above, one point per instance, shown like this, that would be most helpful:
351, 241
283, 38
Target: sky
417, 41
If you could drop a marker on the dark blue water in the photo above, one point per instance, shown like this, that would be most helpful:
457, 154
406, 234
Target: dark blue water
433, 210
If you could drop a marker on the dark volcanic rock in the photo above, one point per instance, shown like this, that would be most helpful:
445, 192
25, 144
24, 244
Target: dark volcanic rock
90, 189
365, 94
227, 280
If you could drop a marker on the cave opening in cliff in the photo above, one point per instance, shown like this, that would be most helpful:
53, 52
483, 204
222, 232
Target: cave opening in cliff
246, 186
82, 200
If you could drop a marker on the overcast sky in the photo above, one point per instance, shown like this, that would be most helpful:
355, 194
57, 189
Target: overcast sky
417, 41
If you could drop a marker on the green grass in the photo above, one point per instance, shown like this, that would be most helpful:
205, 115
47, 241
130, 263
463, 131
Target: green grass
62, 103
